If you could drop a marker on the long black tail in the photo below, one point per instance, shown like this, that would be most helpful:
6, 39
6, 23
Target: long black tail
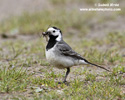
97, 66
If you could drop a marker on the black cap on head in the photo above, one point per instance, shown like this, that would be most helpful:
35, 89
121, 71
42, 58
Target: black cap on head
57, 29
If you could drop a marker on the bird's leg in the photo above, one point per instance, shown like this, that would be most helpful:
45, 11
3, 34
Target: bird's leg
68, 70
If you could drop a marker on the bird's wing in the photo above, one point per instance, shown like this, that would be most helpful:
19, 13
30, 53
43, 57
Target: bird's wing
66, 50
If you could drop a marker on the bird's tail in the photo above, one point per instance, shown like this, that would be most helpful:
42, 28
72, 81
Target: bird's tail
98, 66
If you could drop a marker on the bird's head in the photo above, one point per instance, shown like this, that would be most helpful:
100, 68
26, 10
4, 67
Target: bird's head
53, 33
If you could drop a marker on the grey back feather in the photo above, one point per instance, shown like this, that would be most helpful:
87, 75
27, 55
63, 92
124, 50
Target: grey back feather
66, 50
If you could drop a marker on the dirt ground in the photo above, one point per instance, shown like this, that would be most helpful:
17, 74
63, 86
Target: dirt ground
17, 7
9, 8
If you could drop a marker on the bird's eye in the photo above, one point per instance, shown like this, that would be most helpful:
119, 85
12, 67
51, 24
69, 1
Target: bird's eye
54, 31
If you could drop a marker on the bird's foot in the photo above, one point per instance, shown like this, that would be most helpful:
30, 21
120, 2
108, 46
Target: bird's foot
60, 82
64, 82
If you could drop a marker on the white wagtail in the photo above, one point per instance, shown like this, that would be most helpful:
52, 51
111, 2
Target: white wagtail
60, 54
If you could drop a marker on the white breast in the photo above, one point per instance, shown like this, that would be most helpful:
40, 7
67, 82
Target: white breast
58, 60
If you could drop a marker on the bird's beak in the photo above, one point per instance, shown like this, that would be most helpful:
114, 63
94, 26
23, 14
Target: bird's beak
46, 33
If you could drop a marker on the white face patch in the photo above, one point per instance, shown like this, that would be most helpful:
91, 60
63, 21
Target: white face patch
55, 32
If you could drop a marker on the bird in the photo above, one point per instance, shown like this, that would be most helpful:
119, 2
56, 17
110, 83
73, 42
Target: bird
60, 54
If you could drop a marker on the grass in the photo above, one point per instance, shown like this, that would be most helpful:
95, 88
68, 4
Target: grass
30, 76
13, 79
36, 79
25, 73
34, 23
